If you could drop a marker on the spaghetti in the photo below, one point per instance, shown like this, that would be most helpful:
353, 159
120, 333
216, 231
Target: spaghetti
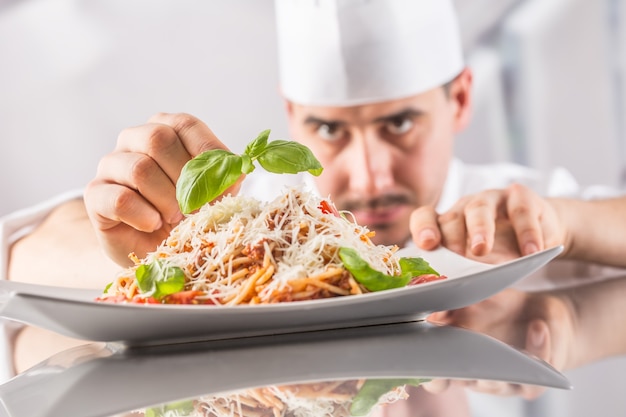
242, 251
317, 399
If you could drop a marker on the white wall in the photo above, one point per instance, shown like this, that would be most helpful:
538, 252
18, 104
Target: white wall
74, 73
562, 86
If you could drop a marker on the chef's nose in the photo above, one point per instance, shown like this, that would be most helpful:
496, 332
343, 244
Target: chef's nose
370, 165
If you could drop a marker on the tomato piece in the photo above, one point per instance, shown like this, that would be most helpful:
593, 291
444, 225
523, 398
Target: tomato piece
328, 208
421, 279
147, 300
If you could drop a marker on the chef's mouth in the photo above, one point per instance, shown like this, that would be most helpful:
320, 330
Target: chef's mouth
381, 203
380, 212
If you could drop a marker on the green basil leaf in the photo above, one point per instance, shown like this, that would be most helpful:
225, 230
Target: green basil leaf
373, 389
414, 267
209, 174
145, 278
288, 157
158, 279
246, 164
258, 145
205, 177
175, 409
375, 280
370, 278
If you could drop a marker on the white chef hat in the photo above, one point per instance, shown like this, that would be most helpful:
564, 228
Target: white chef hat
350, 52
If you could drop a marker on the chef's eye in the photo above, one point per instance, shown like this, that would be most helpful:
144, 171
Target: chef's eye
399, 125
330, 131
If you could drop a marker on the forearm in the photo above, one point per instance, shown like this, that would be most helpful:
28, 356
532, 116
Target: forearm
62, 251
599, 317
596, 230
33, 345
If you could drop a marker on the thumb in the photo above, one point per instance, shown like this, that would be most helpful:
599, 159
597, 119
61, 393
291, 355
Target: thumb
425, 228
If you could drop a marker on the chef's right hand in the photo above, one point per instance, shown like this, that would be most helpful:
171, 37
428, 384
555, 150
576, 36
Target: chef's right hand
132, 200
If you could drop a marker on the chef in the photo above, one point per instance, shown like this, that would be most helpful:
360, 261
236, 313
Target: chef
376, 89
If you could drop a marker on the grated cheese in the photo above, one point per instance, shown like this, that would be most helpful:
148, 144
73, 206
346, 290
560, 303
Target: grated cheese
293, 234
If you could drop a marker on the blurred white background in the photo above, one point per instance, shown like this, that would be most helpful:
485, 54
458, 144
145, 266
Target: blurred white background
549, 82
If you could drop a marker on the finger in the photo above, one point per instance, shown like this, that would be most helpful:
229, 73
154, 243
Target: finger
142, 174
505, 389
424, 228
436, 386
112, 204
530, 392
551, 226
195, 136
439, 317
523, 212
452, 228
538, 344
560, 330
159, 142
481, 213
500, 388
461, 317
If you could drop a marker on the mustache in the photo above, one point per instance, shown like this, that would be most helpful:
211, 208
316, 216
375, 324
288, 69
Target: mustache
377, 202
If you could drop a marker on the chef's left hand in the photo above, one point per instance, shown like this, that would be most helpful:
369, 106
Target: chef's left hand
492, 226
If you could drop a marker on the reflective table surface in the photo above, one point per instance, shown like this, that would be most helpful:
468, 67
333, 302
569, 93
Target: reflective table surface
406, 368
370, 370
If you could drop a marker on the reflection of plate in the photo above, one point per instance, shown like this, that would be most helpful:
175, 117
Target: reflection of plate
97, 380
73, 312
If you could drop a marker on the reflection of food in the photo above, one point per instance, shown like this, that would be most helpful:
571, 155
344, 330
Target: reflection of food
323, 399
300, 400
241, 251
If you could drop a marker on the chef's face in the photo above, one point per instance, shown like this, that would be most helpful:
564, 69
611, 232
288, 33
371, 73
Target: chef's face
383, 160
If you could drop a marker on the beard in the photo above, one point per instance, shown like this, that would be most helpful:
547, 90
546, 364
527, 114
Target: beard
375, 212
376, 203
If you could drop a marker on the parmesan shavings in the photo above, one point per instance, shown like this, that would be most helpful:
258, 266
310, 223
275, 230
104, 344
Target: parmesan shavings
242, 251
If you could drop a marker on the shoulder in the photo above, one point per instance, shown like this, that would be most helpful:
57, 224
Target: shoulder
466, 179
552, 182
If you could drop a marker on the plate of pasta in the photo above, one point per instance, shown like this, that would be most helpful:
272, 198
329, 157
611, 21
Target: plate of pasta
240, 267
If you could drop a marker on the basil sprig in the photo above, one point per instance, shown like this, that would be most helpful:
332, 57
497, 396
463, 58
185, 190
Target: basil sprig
373, 389
209, 174
157, 279
375, 280
175, 409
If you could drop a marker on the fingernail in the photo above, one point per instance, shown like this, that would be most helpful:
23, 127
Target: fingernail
537, 335
530, 248
478, 239
149, 228
426, 236
176, 218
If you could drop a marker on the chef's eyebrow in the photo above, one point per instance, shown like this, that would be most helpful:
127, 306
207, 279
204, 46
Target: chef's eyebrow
407, 113
313, 120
